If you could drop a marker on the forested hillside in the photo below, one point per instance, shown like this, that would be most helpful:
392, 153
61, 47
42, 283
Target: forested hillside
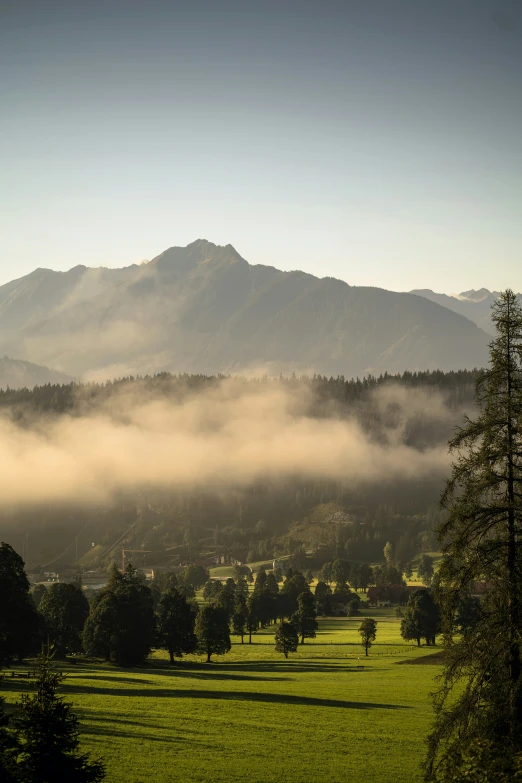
337, 507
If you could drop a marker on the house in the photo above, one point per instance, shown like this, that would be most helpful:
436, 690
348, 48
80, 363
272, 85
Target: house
391, 595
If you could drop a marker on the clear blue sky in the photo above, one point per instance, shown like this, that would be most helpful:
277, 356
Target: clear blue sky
378, 141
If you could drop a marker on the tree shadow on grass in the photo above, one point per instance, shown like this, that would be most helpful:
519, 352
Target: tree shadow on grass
105, 726
271, 698
108, 678
205, 673
214, 670
210, 674
309, 664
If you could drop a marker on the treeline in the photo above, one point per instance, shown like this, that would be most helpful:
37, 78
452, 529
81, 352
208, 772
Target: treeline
457, 385
129, 618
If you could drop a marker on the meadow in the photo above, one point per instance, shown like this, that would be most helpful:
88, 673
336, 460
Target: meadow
327, 713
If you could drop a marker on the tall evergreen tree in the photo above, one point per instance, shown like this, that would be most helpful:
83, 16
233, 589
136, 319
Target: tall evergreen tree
482, 542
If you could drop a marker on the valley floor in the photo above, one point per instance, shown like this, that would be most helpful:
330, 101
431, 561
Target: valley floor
252, 715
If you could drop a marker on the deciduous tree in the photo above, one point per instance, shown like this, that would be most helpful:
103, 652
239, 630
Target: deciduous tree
121, 626
212, 631
240, 616
286, 638
64, 610
422, 618
323, 598
425, 569
368, 632
19, 625
176, 622
304, 618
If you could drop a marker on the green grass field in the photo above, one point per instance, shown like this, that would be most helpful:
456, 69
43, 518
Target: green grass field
254, 715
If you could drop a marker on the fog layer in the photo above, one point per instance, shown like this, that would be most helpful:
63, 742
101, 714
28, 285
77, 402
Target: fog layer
225, 438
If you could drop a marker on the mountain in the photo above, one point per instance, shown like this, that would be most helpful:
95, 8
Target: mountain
475, 305
203, 308
17, 374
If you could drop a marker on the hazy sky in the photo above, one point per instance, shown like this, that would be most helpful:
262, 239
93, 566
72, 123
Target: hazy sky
379, 141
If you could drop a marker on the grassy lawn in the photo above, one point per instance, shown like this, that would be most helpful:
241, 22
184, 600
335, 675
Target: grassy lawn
254, 715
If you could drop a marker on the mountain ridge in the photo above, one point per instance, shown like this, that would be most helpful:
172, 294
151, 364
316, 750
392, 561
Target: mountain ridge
18, 374
204, 308
473, 304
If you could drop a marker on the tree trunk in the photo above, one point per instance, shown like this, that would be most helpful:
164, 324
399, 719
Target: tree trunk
418, 641
209, 653
171, 653
302, 638
366, 650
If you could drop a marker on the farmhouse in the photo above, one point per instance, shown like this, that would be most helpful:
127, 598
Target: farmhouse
391, 595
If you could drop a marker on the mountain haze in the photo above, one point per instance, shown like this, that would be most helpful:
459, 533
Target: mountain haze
204, 308
475, 305
16, 374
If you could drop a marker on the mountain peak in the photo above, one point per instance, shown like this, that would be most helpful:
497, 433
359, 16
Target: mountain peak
205, 247
475, 296
183, 259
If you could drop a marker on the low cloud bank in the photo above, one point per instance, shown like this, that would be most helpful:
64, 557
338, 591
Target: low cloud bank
224, 438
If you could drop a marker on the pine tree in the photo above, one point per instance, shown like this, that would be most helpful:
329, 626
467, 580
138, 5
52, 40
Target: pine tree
49, 737
482, 542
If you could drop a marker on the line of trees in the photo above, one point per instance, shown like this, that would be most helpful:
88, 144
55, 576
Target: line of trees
128, 618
